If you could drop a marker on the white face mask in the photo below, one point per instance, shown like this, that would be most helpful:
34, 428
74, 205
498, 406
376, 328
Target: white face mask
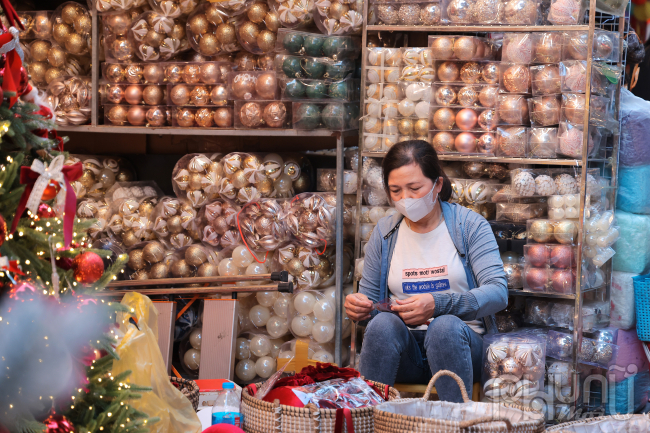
417, 208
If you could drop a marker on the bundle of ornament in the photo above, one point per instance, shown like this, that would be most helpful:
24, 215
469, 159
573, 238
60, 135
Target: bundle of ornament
158, 36
131, 220
218, 224
71, 25
339, 17
257, 30
261, 224
70, 98
36, 25
118, 45
307, 268
175, 223
210, 31
247, 178
196, 177
311, 219
47, 62
118, 5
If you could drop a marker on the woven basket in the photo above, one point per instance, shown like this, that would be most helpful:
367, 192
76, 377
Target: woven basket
423, 416
188, 388
264, 417
605, 424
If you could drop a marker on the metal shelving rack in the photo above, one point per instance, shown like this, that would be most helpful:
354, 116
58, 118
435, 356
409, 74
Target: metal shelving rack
608, 167
96, 127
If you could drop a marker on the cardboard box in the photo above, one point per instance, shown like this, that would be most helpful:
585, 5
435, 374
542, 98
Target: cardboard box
166, 319
220, 321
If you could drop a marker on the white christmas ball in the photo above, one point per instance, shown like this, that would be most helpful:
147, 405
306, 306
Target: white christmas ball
323, 356
524, 184
556, 201
377, 197
304, 302
256, 269
259, 315
366, 231
276, 344
265, 367
376, 213
349, 182
371, 142
260, 345
287, 354
422, 110
228, 268
195, 338
245, 370
373, 109
301, 325
556, 213
571, 212
406, 107
241, 257
571, 200
281, 305
323, 332
566, 184
375, 178
266, 299
415, 91
192, 359
323, 310
544, 185
242, 348
277, 326
275, 158
330, 294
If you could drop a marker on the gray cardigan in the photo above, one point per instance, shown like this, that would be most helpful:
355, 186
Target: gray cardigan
478, 250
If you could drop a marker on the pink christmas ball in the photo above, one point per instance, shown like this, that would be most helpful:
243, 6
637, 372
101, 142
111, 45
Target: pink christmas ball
536, 279
466, 119
562, 281
537, 255
561, 256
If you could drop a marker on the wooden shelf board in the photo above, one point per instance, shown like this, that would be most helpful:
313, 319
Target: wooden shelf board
471, 28
536, 161
204, 131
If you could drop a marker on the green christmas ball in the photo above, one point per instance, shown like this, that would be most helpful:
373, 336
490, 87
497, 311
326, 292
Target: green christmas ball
333, 116
294, 89
314, 45
313, 68
339, 90
291, 67
308, 116
335, 47
316, 90
339, 70
293, 42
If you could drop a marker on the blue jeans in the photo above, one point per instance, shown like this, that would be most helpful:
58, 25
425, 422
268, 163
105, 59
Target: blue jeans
392, 352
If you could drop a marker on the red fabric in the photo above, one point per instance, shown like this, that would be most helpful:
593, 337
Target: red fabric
320, 373
284, 395
13, 64
223, 428
11, 14
70, 174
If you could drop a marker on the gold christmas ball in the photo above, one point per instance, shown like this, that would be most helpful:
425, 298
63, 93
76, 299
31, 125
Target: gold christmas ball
219, 95
153, 252
324, 268
191, 74
178, 32
195, 255
70, 12
265, 187
122, 49
136, 260
87, 179
226, 34
490, 73
203, 117
56, 56
159, 271
512, 141
124, 176
548, 48
180, 94
470, 73
248, 32
117, 116
61, 32
213, 15
140, 275
209, 45
272, 21
295, 267
338, 9
541, 231
245, 61
199, 96
208, 73
133, 74
198, 24
488, 96
180, 269
37, 71
154, 38
42, 26
465, 48
146, 208
40, 50
152, 95
266, 41
207, 270
223, 117
115, 73
118, 23
546, 79
448, 71
53, 74
546, 110
421, 127
75, 44
513, 109
574, 107
443, 142
82, 24
156, 116
173, 74
467, 96
516, 79
195, 181
174, 224
28, 23
444, 118
405, 126
257, 12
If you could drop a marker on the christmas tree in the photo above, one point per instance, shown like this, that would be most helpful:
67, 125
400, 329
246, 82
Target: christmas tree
46, 265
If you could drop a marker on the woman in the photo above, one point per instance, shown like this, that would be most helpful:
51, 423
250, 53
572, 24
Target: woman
440, 264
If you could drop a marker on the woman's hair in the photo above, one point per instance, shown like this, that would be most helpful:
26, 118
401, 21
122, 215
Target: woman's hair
416, 152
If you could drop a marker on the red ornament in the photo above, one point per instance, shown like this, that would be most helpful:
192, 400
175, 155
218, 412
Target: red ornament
537, 255
51, 190
64, 263
45, 211
3, 230
562, 256
536, 279
88, 267
23, 84
562, 281
56, 423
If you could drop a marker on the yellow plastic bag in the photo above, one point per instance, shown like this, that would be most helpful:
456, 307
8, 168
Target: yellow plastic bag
139, 353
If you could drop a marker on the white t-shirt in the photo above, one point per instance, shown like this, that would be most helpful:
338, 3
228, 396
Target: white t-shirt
427, 263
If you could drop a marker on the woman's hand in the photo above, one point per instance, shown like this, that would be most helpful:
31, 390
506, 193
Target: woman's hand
358, 306
416, 310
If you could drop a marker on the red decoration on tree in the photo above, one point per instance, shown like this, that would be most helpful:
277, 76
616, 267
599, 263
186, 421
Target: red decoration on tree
3, 230
56, 423
51, 190
45, 211
88, 267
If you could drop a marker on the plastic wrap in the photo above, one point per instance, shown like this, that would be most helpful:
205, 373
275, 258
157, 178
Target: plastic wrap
317, 45
322, 68
334, 116
566, 12
544, 231
633, 246
261, 224
343, 90
443, 47
166, 72
545, 79
196, 178
635, 128
591, 352
406, 13
256, 356
175, 223
209, 31
307, 268
512, 110
139, 353
340, 394
311, 219
622, 300
514, 78
169, 32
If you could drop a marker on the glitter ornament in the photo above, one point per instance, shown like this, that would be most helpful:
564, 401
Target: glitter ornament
448, 71
409, 14
87, 267
467, 96
562, 281
518, 48
561, 256
488, 120
576, 45
536, 279
547, 47
537, 255
566, 184
512, 143
465, 48
490, 73
459, 11
565, 232
444, 118
544, 185
487, 97
545, 111
442, 48
603, 354
470, 73
430, 14
516, 79
388, 13
443, 142
565, 12
512, 109
573, 76
523, 184
520, 12
445, 95
488, 12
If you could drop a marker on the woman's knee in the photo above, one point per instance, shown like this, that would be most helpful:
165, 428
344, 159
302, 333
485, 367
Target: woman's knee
447, 328
385, 328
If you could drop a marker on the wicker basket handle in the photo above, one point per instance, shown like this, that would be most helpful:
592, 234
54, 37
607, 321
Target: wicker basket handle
454, 376
473, 422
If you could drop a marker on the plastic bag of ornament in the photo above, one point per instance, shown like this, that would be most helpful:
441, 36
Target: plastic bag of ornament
317, 45
591, 352
261, 224
571, 139
339, 18
513, 367
71, 26
148, 261
100, 173
512, 110
293, 14
311, 218
210, 30
545, 80
70, 99
519, 212
135, 190
139, 353
218, 224
165, 32
327, 181
257, 29
176, 223
544, 110
247, 177
99, 210
604, 78
118, 42
542, 142
196, 178
412, 14
341, 394
38, 25
566, 12
256, 353
131, 220
307, 269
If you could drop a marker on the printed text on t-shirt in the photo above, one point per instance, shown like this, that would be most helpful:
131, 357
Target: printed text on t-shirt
438, 271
